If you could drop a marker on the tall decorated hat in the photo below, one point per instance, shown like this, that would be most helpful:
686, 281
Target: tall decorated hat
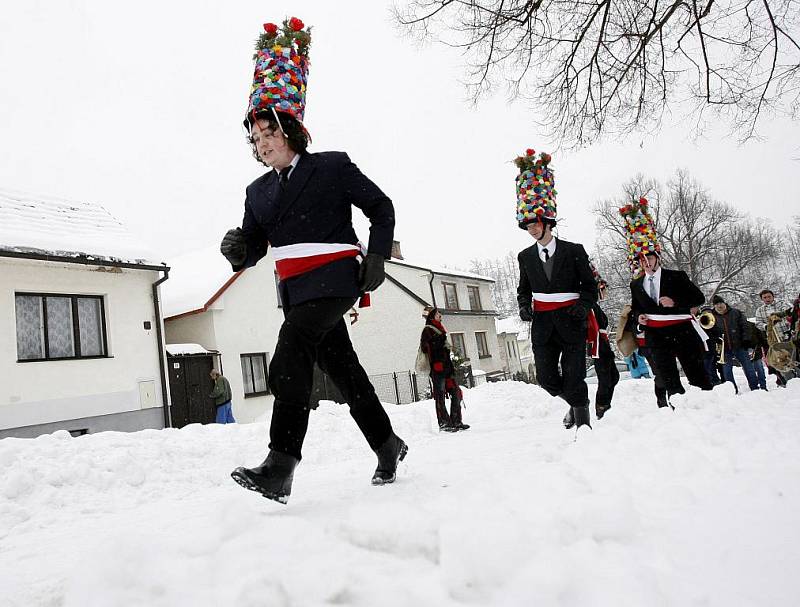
536, 188
640, 232
281, 69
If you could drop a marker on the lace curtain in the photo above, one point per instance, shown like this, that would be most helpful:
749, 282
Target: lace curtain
30, 328
90, 327
60, 334
31, 322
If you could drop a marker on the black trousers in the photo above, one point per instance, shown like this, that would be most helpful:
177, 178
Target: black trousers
440, 392
607, 374
315, 332
689, 351
570, 383
658, 379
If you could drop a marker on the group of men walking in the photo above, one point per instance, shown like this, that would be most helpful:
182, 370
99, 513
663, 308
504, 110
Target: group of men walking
302, 209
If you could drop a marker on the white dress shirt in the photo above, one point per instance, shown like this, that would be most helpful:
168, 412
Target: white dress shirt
550, 247
655, 291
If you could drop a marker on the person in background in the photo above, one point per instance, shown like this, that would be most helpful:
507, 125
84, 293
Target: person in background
222, 398
433, 343
637, 364
662, 300
603, 358
734, 333
758, 341
556, 291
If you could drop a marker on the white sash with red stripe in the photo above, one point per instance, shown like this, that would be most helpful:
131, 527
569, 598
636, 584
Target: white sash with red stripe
546, 302
657, 321
295, 259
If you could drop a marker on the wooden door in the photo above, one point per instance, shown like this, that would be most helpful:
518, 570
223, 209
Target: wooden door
189, 386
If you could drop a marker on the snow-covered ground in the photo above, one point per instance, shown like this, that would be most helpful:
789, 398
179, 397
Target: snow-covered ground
700, 506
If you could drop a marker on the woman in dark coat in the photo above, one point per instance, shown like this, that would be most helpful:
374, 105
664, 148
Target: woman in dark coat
433, 342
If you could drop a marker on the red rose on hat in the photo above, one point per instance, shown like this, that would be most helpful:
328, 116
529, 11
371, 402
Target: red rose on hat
271, 28
530, 152
296, 24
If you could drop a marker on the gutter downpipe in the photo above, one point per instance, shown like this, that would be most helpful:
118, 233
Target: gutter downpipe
433, 295
161, 349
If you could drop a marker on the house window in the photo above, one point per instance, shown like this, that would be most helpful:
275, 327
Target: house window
459, 348
450, 296
57, 327
278, 290
254, 374
483, 347
474, 298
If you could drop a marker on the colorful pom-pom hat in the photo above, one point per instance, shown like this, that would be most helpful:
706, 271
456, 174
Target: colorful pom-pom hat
281, 70
536, 191
640, 232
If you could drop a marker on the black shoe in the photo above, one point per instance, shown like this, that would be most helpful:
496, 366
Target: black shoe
600, 410
390, 453
581, 416
272, 479
461, 426
448, 428
569, 419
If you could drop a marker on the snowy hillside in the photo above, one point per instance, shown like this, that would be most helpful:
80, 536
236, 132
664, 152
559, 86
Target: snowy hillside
698, 506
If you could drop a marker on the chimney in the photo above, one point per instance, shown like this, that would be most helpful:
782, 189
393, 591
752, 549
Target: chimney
396, 254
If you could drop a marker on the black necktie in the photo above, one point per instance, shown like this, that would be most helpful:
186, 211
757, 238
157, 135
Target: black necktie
283, 176
546, 255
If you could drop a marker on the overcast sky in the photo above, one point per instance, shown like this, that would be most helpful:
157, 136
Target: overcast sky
138, 106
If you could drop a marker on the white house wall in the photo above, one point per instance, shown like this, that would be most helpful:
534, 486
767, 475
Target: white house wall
44, 392
247, 320
192, 329
468, 325
415, 280
386, 336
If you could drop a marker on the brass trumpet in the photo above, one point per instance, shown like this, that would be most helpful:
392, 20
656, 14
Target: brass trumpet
707, 319
721, 351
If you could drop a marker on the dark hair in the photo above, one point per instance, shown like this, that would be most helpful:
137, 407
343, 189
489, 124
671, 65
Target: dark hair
296, 134
717, 300
766, 291
432, 314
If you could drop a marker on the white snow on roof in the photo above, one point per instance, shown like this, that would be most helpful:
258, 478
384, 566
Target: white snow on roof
183, 349
441, 270
194, 278
512, 324
52, 226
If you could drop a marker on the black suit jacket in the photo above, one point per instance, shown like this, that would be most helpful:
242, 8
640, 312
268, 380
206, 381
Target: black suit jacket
571, 274
676, 285
316, 207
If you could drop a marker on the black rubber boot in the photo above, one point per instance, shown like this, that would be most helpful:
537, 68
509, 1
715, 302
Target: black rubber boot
581, 416
600, 410
390, 453
569, 419
272, 479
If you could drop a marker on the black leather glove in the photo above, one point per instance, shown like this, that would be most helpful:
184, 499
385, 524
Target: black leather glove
371, 274
578, 311
234, 247
526, 313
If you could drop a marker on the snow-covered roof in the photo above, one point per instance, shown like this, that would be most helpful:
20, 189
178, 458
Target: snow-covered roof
187, 349
65, 228
194, 279
512, 324
441, 270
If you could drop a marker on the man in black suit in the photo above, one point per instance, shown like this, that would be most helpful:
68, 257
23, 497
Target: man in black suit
303, 208
662, 303
556, 291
